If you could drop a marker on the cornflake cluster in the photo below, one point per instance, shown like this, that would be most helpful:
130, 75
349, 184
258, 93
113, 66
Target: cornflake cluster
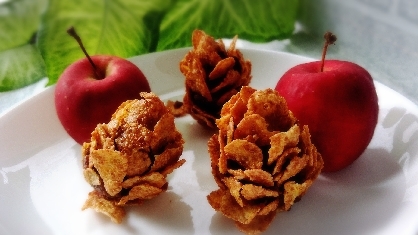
128, 159
262, 160
213, 75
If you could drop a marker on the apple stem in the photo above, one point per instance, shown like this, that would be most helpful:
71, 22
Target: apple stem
71, 31
329, 39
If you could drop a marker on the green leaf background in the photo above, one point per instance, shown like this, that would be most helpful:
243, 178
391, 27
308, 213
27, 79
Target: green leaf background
20, 61
34, 42
257, 21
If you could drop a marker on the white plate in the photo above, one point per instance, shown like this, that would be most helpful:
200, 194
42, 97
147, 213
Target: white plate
42, 188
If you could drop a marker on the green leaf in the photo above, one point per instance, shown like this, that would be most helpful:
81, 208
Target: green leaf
114, 27
19, 21
20, 67
257, 21
21, 63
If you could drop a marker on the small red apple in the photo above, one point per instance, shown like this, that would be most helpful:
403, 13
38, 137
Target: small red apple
90, 90
338, 101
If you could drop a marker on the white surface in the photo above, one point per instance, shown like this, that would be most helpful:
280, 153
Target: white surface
42, 188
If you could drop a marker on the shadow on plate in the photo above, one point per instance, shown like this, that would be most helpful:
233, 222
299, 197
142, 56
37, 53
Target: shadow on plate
19, 216
166, 211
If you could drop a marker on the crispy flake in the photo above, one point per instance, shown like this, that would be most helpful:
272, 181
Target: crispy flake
230, 131
214, 153
222, 201
281, 163
222, 160
222, 68
112, 167
283, 140
256, 127
138, 163
168, 157
271, 207
258, 225
163, 132
251, 192
260, 177
295, 166
234, 188
109, 208
237, 174
293, 191
91, 177
155, 179
247, 154
141, 192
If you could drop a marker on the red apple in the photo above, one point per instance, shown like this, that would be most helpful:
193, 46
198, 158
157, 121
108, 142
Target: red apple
87, 95
339, 105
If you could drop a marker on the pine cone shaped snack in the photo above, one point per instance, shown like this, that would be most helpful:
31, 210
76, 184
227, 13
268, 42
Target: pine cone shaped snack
213, 74
128, 159
262, 160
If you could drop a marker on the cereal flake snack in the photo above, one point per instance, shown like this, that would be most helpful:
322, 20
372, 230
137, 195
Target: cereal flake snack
262, 160
213, 74
128, 159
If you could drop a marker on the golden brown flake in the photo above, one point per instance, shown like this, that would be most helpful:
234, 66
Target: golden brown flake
141, 192
112, 167
258, 224
262, 159
128, 159
102, 205
213, 75
259, 177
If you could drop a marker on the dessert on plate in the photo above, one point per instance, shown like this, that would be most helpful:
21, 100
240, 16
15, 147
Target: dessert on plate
128, 159
213, 74
262, 159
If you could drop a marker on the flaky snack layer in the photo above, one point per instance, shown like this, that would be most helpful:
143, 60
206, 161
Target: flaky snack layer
213, 74
128, 159
262, 159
